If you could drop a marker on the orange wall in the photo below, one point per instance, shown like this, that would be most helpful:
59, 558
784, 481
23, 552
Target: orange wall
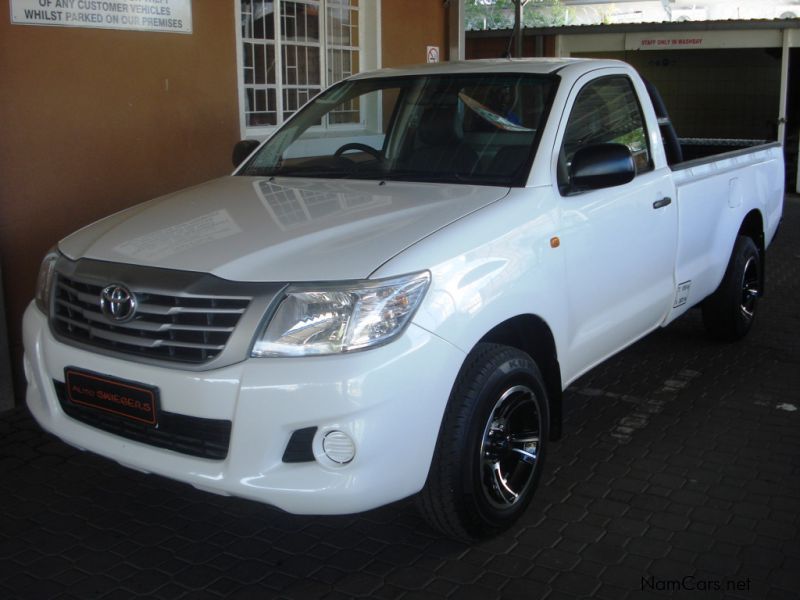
97, 120
408, 27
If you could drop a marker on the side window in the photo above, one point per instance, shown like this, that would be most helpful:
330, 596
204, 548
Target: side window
606, 110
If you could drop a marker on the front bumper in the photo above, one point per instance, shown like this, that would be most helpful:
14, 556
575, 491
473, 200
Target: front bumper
389, 400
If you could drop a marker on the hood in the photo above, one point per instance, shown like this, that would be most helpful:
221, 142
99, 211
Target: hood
279, 229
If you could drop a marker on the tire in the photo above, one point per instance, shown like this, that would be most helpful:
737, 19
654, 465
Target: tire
729, 312
491, 446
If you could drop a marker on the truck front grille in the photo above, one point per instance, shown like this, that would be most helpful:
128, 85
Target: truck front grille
194, 436
179, 328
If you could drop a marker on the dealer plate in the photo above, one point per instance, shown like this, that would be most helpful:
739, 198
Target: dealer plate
127, 399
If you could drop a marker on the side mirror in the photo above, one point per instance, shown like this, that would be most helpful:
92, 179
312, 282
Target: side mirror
242, 150
601, 166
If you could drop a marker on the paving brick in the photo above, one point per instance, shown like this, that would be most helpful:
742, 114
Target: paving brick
360, 584
784, 516
542, 574
782, 503
657, 533
583, 532
710, 515
525, 589
650, 502
688, 497
719, 564
734, 534
637, 563
576, 584
669, 521
558, 560
790, 549
571, 545
668, 569
786, 579
622, 577
459, 572
702, 528
590, 568
667, 480
751, 510
648, 547
676, 508
627, 527
591, 489
609, 508
475, 592
628, 484
603, 552
565, 512
611, 592
596, 520
774, 529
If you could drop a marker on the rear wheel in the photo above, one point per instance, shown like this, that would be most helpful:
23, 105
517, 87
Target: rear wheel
491, 445
729, 312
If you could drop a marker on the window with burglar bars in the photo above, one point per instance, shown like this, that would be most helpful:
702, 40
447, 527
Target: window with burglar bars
291, 50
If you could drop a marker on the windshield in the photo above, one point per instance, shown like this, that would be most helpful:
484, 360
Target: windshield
478, 128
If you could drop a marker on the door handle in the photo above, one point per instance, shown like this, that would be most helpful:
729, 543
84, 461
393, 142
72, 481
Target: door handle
665, 201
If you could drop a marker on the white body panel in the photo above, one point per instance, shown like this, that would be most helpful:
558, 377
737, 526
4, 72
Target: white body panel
372, 398
492, 255
713, 198
254, 229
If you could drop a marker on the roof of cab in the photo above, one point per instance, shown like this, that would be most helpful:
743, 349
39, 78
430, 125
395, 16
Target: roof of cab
494, 65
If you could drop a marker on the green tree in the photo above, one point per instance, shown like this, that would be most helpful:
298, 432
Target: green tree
499, 14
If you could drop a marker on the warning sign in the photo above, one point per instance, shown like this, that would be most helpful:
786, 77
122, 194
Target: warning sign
139, 15
675, 41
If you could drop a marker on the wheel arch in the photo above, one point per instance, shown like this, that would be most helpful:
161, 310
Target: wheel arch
531, 334
753, 227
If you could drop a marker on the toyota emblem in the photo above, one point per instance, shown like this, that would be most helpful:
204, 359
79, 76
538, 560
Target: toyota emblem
117, 303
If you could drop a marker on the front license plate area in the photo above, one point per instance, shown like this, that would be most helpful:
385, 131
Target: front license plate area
126, 399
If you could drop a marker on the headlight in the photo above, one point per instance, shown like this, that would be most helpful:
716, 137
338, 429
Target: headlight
341, 318
44, 283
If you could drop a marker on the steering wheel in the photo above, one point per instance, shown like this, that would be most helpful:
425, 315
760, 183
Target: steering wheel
358, 146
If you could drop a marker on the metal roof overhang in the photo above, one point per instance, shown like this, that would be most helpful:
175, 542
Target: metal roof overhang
726, 25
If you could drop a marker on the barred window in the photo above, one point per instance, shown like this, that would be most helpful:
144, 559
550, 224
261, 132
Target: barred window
291, 50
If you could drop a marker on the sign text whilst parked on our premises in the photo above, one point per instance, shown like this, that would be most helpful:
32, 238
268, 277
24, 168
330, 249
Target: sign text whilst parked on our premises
139, 15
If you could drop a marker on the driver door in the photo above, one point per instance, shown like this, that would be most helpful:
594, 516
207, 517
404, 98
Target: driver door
619, 242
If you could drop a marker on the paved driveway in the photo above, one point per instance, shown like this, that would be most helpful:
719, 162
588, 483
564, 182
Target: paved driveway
679, 470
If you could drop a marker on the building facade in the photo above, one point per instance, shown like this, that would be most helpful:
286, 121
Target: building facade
98, 118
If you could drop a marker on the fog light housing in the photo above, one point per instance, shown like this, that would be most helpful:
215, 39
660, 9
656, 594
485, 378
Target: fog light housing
338, 447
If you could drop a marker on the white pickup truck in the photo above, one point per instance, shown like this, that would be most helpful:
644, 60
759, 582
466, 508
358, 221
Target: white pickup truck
388, 296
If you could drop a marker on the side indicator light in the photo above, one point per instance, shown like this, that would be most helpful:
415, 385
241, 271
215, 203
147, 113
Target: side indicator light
555, 242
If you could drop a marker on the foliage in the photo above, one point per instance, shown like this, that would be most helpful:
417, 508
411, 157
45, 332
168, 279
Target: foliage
499, 14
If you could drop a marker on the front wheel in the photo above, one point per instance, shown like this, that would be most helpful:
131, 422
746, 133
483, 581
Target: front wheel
729, 312
491, 445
